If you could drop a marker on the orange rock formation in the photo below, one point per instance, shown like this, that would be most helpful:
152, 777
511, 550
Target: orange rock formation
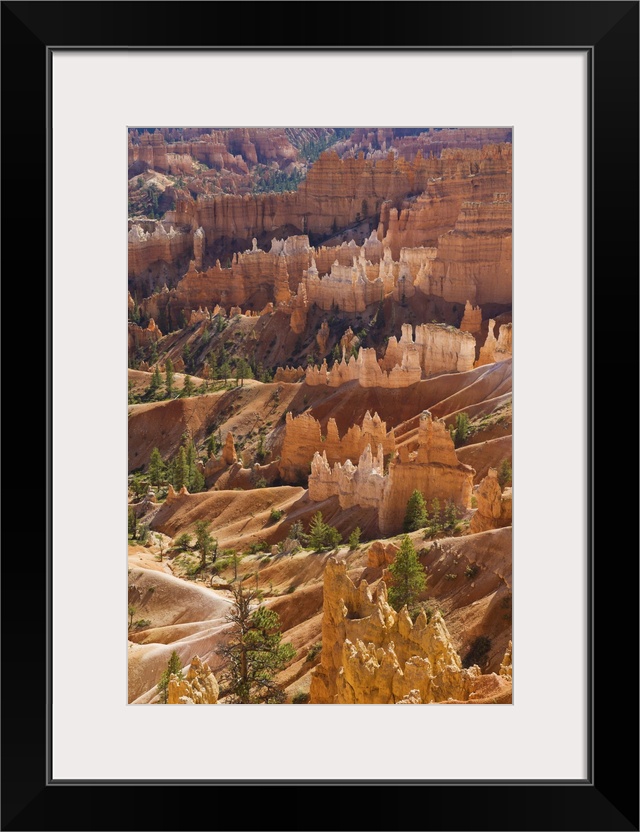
303, 438
433, 469
199, 686
494, 505
372, 654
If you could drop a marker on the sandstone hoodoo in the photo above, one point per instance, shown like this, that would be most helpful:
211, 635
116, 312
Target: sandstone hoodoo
319, 415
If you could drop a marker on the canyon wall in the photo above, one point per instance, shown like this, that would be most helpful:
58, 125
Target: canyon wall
161, 244
372, 654
339, 192
433, 469
436, 349
303, 438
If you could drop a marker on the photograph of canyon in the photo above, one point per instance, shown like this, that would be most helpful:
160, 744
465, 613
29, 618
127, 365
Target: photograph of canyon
319, 415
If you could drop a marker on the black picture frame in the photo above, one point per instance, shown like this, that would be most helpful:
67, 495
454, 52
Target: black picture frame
608, 798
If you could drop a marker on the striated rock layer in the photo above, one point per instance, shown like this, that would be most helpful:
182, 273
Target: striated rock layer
372, 654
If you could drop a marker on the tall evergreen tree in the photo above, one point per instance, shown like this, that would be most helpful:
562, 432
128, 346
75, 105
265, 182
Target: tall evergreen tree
168, 376
156, 467
254, 651
206, 543
180, 470
408, 577
416, 514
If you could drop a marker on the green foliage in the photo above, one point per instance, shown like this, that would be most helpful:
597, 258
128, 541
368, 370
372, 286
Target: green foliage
156, 468
472, 570
180, 470
139, 485
416, 514
408, 577
183, 542
132, 523
188, 387
461, 430
143, 533
300, 698
214, 444
314, 651
322, 535
168, 376
254, 652
243, 370
354, 538
156, 381
450, 516
174, 666
206, 544
261, 451
296, 532
275, 515
504, 473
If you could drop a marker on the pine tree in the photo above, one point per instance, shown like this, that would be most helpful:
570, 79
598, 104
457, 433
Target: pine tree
435, 519
254, 652
321, 535
156, 467
416, 514
408, 578
354, 538
168, 376
156, 380
206, 544
504, 473
450, 515
174, 666
180, 470
188, 387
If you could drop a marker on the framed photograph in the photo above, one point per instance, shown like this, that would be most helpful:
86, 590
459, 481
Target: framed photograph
546, 93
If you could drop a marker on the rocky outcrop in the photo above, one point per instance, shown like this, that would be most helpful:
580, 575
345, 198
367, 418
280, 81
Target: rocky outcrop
494, 505
199, 686
506, 668
440, 349
367, 371
161, 244
303, 438
437, 348
229, 450
433, 469
495, 349
199, 247
349, 342
381, 555
472, 318
142, 337
322, 338
288, 374
340, 192
373, 654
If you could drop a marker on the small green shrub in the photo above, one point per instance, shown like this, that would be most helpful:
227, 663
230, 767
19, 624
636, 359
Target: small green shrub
314, 651
275, 515
450, 576
354, 538
291, 589
300, 698
472, 570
